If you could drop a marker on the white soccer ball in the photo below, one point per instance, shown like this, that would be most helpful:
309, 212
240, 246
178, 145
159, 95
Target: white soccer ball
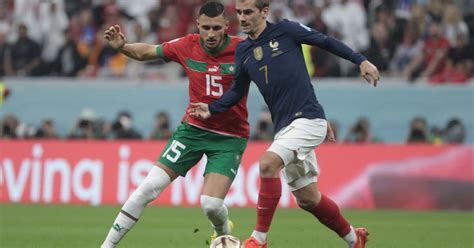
226, 241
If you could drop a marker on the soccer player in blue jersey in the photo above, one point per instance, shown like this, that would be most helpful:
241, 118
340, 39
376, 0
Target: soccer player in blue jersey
272, 58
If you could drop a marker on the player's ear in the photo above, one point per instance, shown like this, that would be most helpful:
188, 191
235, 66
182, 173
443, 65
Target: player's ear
226, 25
265, 13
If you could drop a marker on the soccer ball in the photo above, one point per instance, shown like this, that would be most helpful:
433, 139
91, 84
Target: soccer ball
226, 241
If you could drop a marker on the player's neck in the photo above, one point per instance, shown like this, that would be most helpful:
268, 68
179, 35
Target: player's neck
259, 31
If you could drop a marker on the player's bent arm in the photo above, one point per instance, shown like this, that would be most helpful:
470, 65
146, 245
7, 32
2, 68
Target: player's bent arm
139, 51
230, 98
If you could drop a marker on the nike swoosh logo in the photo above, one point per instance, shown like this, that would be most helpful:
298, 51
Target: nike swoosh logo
258, 207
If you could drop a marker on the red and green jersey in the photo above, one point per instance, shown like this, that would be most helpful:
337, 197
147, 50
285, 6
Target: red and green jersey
210, 75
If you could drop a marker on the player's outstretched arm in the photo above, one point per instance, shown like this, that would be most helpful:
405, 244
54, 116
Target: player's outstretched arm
369, 72
200, 110
137, 51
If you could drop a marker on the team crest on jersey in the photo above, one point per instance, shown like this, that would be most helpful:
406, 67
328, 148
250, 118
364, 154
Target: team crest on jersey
274, 45
258, 53
275, 50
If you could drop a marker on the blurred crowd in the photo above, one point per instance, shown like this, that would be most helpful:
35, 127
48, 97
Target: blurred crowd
414, 39
89, 126
420, 132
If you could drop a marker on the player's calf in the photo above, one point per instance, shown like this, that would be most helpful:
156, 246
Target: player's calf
155, 182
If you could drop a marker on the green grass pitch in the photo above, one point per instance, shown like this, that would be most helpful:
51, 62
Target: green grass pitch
165, 227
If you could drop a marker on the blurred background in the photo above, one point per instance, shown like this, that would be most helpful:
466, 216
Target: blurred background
82, 124
424, 50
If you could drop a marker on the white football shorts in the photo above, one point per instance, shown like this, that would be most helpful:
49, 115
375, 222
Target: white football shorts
295, 145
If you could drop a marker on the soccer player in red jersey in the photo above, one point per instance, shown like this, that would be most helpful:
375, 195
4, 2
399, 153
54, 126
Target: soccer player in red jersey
208, 58
271, 57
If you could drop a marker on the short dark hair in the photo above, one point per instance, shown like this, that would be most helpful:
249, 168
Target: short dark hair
212, 9
260, 4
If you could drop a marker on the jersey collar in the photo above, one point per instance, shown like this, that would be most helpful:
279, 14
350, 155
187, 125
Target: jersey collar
220, 49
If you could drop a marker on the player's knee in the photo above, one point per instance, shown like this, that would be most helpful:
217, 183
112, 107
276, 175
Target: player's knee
211, 205
307, 204
270, 165
155, 182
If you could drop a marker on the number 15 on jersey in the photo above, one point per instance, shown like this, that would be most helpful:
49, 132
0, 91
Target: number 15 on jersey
213, 87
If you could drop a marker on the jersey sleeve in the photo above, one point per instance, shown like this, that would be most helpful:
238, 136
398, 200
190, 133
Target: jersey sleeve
170, 50
307, 35
239, 88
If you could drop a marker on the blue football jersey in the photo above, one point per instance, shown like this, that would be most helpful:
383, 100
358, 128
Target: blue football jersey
274, 62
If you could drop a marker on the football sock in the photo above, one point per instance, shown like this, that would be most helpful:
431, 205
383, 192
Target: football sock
260, 236
351, 238
217, 213
155, 182
327, 212
268, 198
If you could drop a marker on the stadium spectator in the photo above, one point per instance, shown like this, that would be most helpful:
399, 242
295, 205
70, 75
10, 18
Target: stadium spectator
162, 127
69, 61
27, 13
25, 131
410, 48
435, 9
418, 131
280, 11
420, 19
301, 11
381, 49
459, 64
347, 21
168, 25
9, 126
453, 25
325, 65
432, 61
23, 57
455, 132
86, 126
360, 132
123, 128
47, 130
53, 21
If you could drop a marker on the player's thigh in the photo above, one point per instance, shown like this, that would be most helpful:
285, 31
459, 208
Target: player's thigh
183, 150
301, 171
216, 185
300, 137
224, 154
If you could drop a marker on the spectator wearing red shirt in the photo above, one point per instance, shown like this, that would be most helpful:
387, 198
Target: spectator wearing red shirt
431, 63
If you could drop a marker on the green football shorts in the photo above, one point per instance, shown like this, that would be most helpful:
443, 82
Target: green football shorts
188, 144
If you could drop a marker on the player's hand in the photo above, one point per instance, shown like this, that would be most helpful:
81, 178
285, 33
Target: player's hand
115, 37
200, 110
369, 72
330, 133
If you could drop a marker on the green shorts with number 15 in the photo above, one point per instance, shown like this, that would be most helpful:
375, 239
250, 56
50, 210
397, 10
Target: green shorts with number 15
188, 144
